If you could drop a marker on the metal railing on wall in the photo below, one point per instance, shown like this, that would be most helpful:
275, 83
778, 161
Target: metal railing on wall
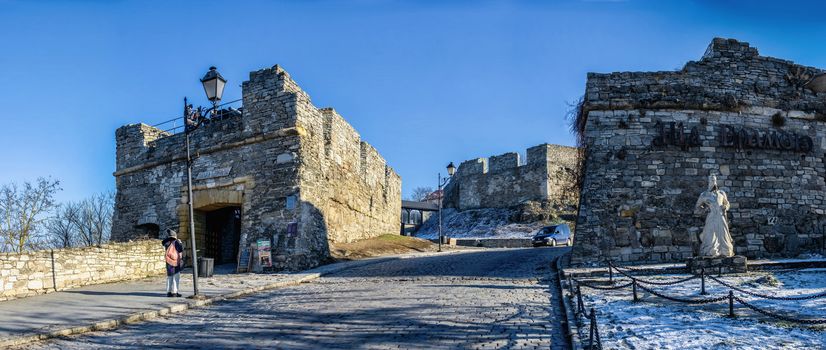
175, 125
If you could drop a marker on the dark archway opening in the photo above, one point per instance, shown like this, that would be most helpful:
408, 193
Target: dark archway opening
223, 232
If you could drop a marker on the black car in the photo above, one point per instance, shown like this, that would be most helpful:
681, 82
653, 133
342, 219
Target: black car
553, 236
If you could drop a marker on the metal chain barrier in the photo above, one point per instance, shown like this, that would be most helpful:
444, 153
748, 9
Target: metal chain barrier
580, 305
668, 283
594, 343
778, 316
628, 268
764, 296
621, 286
682, 300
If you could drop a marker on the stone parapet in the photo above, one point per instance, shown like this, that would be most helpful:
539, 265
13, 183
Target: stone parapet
739, 75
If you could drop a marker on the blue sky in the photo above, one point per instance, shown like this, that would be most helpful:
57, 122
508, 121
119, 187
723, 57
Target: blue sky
425, 82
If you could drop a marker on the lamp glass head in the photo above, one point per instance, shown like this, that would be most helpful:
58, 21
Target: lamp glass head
213, 84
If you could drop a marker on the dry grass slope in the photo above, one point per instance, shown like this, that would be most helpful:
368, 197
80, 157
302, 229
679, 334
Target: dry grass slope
378, 246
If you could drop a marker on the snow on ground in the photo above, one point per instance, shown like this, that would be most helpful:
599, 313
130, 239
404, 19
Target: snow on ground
478, 223
656, 323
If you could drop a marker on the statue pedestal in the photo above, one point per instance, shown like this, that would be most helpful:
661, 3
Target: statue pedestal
719, 264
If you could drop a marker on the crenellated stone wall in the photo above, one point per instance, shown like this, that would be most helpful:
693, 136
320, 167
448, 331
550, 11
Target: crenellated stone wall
651, 139
502, 181
40, 272
281, 160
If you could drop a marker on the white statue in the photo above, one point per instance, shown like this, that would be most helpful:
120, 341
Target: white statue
715, 239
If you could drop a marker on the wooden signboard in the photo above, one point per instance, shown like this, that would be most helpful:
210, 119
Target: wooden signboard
244, 260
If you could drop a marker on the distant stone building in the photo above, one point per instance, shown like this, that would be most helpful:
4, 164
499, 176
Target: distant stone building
282, 170
652, 138
503, 181
502, 196
434, 197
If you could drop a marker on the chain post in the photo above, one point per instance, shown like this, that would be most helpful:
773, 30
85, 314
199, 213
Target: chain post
634, 287
610, 274
592, 330
703, 281
730, 303
596, 328
580, 305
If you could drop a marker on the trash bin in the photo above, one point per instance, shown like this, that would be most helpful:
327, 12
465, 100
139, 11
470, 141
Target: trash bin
445, 240
205, 267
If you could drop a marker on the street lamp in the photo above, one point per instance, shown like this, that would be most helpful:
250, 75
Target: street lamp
214, 87
442, 182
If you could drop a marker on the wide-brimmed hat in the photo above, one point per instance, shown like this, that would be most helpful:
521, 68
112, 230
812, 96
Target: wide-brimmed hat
171, 233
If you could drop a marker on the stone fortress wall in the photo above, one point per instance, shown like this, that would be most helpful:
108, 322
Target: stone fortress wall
502, 181
301, 175
652, 138
44, 271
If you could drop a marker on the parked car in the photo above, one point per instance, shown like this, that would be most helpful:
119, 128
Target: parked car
553, 236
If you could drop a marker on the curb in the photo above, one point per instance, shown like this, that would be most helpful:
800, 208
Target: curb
138, 317
571, 322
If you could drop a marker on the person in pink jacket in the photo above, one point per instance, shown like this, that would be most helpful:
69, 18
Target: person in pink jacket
174, 257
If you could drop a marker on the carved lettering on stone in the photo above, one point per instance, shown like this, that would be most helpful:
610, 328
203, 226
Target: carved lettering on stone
742, 138
673, 134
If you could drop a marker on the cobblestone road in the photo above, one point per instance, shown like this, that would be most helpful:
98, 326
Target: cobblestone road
492, 299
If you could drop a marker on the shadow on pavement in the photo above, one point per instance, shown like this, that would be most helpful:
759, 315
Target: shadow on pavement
384, 305
104, 293
343, 318
518, 263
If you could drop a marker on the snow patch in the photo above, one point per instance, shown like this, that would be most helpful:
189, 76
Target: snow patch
655, 323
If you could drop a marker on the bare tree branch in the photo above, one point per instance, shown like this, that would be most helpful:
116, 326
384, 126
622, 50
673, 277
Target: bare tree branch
420, 193
94, 219
22, 210
62, 226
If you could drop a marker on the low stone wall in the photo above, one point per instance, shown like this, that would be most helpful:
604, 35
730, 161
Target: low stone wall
46, 271
494, 242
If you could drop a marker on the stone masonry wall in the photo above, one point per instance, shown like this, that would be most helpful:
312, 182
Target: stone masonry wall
501, 182
348, 180
283, 161
652, 139
40, 272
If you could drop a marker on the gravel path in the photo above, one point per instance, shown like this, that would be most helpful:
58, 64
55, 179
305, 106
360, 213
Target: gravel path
478, 300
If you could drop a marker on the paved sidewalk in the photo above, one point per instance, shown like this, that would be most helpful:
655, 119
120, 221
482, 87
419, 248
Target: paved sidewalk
107, 306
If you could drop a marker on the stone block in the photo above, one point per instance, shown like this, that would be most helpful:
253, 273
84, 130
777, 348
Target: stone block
735, 264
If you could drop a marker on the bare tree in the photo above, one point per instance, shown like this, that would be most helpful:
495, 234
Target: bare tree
22, 210
94, 219
62, 226
420, 193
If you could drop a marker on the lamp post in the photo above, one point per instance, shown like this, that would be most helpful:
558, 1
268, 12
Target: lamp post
213, 84
442, 182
